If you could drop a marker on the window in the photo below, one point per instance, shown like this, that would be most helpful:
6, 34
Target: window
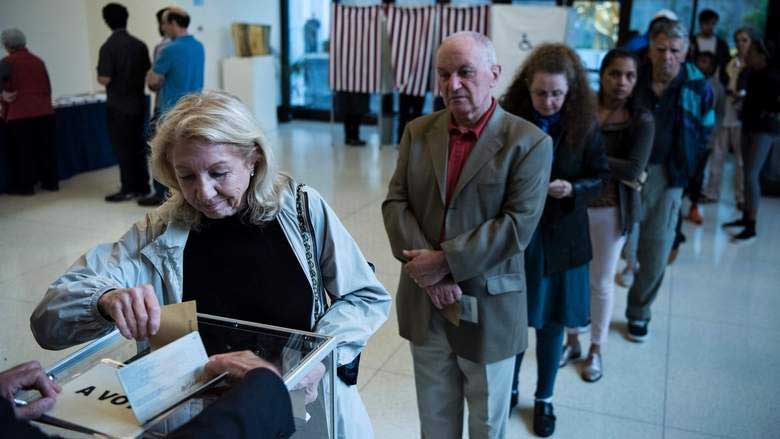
734, 15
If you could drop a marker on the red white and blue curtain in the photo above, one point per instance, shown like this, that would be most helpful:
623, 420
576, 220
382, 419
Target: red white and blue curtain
411, 31
414, 33
454, 19
355, 49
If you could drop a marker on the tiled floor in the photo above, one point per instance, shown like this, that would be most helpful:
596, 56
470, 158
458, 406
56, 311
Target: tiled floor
711, 368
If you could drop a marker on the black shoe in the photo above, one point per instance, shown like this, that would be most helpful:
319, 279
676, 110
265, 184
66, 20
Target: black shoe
746, 236
24, 192
742, 222
513, 401
151, 201
355, 142
637, 330
122, 196
51, 187
544, 419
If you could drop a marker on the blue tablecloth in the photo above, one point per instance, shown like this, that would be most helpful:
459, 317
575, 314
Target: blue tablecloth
82, 141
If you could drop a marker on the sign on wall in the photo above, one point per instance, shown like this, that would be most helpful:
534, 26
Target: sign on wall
516, 30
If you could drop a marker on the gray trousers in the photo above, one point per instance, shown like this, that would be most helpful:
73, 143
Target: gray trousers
443, 380
755, 157
661, 205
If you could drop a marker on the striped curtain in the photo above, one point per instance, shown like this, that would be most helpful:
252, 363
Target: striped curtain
411, 45
457, 18
454, 19
355, 49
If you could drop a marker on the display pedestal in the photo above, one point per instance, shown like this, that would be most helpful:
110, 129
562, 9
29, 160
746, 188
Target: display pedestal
253, 80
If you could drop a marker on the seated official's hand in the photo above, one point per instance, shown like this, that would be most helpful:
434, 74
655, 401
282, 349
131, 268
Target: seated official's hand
310, 382
237, 364
444, 293
426, 267
135, 311
29, 376
559, 189
9, 96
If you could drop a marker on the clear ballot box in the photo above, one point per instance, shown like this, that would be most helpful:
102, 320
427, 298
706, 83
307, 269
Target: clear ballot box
296, 353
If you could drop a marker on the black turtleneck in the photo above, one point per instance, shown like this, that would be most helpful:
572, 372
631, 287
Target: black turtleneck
246, 272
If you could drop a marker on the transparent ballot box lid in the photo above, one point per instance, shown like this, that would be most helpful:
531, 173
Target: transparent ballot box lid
300, 356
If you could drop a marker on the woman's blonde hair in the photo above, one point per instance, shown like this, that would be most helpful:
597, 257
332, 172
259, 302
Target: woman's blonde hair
216, 118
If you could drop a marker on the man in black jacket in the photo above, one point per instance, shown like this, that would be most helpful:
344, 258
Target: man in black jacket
258, 407
707, 41
122, 66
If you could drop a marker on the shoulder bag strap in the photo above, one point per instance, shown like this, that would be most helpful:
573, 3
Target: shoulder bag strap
310, 245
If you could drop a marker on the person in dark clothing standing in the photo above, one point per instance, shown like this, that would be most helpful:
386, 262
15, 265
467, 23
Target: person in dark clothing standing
707, 41
29, 117
258, 407
681, 100
551, 90
628, 132
351, 107
761, 127
410, 107
122, 66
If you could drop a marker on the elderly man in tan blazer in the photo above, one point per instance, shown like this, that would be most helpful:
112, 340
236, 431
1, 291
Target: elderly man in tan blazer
467, 193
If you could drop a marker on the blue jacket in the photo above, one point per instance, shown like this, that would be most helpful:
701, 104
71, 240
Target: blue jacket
693, 127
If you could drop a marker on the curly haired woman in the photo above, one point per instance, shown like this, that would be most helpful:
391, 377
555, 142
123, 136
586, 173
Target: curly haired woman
552, 91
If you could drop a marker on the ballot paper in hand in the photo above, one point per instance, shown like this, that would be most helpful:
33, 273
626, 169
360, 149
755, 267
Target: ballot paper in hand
176, 321
116, 400
165, 377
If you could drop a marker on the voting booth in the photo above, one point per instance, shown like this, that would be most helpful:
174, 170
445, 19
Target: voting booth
93, 403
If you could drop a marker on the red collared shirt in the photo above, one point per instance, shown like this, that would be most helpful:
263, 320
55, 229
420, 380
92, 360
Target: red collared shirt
462, 141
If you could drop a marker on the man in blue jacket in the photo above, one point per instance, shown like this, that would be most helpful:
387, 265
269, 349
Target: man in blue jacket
681, 100
177, 71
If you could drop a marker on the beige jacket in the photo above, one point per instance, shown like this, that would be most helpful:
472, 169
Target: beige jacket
493, 212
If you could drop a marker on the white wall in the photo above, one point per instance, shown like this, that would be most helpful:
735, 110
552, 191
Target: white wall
211, 25
56, 30
68, 34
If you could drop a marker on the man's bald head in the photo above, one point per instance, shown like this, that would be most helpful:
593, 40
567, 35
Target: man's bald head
481, 42
467, 71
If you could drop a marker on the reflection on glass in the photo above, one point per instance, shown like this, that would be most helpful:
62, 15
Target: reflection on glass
594, 31
734, 15
309, 30
642, 12
595, 24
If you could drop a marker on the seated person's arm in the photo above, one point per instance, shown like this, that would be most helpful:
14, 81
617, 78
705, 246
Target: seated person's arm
25, 376
258, 407
103, 80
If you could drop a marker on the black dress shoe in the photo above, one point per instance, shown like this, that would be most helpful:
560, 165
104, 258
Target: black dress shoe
25, 191
742, 222
151, 201
544, 419
355, 142
122, 196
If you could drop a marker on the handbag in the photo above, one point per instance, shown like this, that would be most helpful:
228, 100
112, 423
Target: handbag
348, 373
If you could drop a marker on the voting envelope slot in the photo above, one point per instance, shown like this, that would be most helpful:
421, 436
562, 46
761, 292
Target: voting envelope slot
299, 355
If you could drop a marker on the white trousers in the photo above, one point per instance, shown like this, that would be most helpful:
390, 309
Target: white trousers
606, 240
443, 380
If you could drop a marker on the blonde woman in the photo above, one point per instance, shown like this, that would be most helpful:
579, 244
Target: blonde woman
229, 237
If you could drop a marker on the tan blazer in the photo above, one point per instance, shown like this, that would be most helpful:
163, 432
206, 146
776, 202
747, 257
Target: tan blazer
493, 212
